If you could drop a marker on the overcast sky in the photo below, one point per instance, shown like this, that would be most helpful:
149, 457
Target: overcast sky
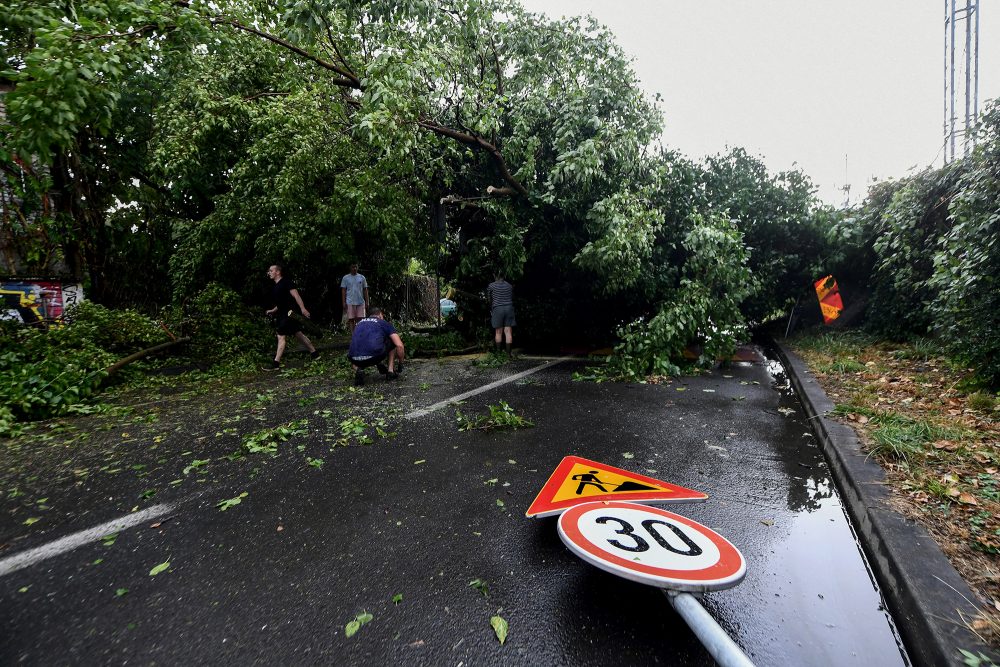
799, 82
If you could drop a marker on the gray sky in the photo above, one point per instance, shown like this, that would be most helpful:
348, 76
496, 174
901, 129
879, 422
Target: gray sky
798, 82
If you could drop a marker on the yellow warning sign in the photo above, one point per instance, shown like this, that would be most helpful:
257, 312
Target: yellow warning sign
578, 480
584, 480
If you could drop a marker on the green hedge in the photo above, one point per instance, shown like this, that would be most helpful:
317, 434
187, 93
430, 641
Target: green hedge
47, 373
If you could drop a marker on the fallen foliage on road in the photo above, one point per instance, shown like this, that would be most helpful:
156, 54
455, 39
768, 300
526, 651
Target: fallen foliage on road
937, 438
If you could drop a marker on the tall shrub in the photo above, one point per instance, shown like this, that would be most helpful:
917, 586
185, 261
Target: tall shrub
907, 234
967, 308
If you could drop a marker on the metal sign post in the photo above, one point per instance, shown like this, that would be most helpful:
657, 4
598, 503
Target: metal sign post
722, 648
652, 546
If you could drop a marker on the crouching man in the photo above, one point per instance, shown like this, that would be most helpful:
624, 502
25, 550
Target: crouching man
374, 341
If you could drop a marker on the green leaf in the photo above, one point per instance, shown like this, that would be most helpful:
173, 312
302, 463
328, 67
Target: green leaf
120, 592
480, 586
31, 520
108, 540
397, 598
159, 568
223, 505
353, 626
500, 627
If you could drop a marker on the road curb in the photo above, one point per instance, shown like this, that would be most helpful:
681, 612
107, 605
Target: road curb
925, 593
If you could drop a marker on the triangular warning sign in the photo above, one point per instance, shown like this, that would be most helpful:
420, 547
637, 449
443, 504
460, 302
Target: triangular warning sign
577, 480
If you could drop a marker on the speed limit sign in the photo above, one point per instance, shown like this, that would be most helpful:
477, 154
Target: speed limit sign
651, 546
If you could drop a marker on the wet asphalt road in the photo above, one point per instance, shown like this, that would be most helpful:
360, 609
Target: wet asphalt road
275, 579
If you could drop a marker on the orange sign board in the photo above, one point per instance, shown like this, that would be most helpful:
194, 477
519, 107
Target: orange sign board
828, 293
577, 480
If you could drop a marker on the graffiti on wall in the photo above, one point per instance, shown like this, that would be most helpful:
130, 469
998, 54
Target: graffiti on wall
37, 302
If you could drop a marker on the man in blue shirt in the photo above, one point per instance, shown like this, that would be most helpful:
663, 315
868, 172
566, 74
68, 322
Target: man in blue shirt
375, 339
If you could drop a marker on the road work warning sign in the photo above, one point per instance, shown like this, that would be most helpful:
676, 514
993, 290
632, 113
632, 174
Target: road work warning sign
830, 302
577, 480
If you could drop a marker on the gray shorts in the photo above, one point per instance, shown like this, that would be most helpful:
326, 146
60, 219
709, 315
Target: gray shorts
503, 316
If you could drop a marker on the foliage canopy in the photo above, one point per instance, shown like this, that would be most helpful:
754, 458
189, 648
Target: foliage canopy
154, 147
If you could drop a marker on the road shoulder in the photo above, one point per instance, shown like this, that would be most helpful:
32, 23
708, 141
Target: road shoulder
926, 595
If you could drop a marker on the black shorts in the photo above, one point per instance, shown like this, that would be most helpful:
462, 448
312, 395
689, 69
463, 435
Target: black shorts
288, 326
502, 316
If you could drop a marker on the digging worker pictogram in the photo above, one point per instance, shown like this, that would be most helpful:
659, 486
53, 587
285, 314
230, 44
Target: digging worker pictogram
589, 478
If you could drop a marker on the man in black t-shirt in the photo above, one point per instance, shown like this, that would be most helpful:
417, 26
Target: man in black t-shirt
287, 302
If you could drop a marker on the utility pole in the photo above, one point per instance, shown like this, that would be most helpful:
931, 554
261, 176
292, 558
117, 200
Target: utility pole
847, 186
955, 68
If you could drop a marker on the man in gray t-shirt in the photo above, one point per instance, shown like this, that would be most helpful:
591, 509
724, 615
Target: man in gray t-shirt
354, 296
501, 297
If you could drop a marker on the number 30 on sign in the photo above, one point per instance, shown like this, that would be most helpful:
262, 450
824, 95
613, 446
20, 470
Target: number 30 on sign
651, 546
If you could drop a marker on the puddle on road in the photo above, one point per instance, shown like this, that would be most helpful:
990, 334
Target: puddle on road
779, 378
824, 573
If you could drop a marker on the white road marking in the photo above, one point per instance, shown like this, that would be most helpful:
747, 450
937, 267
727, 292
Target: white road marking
28, 558
493, 385
16, 562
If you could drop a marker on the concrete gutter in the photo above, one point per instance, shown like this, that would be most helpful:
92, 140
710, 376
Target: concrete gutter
927, 597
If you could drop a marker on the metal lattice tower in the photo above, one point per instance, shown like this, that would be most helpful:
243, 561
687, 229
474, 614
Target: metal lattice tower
961, 61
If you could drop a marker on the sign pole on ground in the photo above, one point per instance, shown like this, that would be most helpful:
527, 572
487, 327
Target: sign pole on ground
722, 648
652, 546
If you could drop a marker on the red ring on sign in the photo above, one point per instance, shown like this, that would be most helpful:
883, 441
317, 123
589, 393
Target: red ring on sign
729, 564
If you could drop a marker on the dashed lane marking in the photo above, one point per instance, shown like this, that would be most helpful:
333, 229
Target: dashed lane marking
30, 557
492, 385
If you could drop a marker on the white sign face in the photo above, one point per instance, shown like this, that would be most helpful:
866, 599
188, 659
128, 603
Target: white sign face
651, 546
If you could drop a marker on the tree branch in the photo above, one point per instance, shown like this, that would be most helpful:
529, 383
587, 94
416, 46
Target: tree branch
348, 80
497, 67
333, 43
478, 142
121, 363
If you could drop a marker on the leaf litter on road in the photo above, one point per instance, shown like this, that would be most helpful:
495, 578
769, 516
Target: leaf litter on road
159, 568
353, 626
500, 627
481, 586
223, 505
